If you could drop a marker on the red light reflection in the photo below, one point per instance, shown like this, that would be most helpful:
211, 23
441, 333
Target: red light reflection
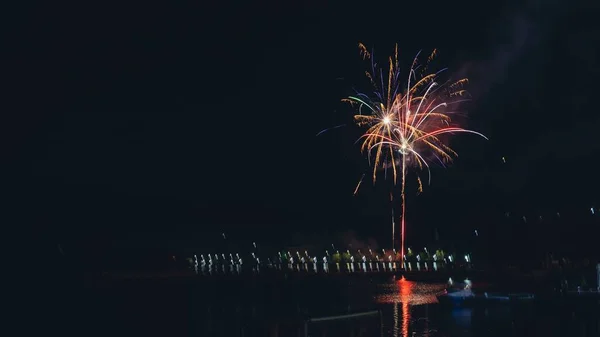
405, 296
408, 293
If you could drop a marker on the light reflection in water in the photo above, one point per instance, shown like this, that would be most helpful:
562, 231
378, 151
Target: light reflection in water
395, 331
405, 294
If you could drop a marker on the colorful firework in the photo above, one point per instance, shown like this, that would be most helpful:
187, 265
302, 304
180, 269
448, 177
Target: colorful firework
405, 120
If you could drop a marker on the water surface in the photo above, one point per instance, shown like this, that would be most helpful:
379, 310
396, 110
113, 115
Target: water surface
277, 306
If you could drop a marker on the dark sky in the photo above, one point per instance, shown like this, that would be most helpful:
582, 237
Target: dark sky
198, 117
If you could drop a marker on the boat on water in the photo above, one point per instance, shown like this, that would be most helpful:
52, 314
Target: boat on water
468, 298
584, 292
457, 287
463, 295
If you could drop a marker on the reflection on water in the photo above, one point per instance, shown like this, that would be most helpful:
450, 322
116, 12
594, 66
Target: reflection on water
274, 306
396, 329
406, 292
409, 292
462, 317
402, 295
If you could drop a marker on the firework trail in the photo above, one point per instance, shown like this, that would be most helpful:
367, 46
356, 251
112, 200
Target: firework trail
406, 120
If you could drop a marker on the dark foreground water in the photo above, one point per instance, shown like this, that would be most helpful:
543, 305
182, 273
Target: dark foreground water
278, 306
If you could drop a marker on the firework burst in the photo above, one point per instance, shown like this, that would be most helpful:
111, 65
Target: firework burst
406, 119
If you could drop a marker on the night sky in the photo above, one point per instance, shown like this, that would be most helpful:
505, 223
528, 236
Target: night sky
195, 118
